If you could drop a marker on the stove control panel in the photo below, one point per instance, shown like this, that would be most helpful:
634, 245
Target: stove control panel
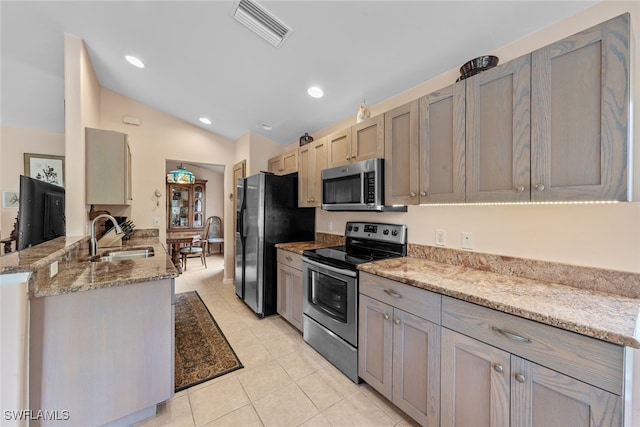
392, 233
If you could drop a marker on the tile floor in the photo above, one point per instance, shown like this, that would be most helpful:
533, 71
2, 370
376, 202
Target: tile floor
284, 382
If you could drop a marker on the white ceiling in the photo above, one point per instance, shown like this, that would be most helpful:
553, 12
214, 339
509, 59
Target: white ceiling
201, 62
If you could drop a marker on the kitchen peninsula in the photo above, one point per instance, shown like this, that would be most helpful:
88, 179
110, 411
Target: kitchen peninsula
100, 334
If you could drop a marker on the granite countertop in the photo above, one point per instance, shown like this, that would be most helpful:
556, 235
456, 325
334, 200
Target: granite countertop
600, 315
299, 247
75, 271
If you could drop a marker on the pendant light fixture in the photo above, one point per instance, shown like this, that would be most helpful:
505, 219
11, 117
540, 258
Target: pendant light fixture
180, 176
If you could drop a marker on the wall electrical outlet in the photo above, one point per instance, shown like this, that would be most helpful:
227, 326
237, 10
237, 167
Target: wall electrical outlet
330, 226
441, 236
53, 268
467, 240
156, 222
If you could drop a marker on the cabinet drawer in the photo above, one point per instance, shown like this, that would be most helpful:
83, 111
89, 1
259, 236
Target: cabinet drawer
414, 300
590, 360
289, 258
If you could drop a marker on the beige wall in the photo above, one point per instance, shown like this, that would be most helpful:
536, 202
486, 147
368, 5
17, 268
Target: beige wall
606, 236
82, 109
14, 142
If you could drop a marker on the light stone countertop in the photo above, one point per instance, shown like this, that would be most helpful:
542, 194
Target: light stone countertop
75, 271
600, 315
299, 247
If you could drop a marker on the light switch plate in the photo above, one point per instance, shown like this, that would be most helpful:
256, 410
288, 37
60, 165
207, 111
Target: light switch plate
53, 268
156, 222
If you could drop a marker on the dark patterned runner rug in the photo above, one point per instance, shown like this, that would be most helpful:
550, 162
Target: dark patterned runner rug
202, 351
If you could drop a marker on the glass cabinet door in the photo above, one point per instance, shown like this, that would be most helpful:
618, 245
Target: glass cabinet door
198, 206
179, 215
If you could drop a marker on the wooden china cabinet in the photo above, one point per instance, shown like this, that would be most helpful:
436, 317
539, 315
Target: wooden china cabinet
186, 206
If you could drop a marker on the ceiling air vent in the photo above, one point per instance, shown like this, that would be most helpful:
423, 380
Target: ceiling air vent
262, 22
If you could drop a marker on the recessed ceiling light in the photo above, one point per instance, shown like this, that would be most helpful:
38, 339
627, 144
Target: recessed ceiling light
205, 120
266, 126
315, 92
134, 61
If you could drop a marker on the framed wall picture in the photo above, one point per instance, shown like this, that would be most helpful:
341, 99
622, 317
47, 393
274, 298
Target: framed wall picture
45, 167
10, 199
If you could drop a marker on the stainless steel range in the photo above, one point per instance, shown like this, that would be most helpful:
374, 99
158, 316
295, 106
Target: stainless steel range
330, 276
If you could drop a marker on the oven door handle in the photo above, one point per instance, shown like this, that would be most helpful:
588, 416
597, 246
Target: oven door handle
331, 268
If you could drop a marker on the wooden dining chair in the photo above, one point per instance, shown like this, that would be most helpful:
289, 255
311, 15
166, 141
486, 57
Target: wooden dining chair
214, 236
195, 249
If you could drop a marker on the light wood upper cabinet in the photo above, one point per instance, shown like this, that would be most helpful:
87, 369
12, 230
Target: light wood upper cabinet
579, 124
361, 141
108, 167
285, 163
401, 143
498, 133
442, 145
312, 159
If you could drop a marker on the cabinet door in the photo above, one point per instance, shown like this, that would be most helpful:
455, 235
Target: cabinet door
416, 367
401, 155
442, 145
296, 297
274, 165
179, 200
579, 128
108, 167
375, 337
541, 397
475, 383
313, 158
339, 148
290, 162
498, 133
283, 291
367, 139
198, 206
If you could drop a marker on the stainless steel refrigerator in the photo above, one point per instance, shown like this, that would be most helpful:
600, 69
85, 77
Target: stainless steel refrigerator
266, 213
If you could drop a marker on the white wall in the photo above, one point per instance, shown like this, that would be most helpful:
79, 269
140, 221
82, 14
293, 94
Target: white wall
605, 236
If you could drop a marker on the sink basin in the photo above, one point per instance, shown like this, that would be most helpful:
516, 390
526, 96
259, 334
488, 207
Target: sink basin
122, 254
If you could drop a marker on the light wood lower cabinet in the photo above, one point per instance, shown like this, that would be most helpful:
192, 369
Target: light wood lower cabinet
399, 353
102, 354
289, 287
485, 386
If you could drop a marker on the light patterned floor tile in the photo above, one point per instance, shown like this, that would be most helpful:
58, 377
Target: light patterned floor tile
302, 363
253, 355
216, 400
286, 407
324, 388
357, 410
317, 421
389, 408
263, 380
243, 417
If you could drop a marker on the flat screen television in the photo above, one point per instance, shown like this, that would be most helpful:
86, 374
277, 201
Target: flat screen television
41, 212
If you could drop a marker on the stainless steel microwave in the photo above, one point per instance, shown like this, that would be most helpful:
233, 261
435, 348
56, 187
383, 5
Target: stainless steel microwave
356, 187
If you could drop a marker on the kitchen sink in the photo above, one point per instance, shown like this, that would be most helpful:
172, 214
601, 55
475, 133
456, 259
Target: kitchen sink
123, 254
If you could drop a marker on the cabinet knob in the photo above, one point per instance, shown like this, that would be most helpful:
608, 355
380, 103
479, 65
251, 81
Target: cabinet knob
520, 188
288, 258
353, 156
498, 367
423, 193
386, 316
413, 194
348, 157
520, 378
397, 321
540, 187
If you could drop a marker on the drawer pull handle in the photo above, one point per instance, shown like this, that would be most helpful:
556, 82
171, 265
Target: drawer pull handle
520, 378
392, 293
498, 368
288, 258
511, 335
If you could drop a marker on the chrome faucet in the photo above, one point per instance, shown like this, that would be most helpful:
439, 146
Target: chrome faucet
93, 249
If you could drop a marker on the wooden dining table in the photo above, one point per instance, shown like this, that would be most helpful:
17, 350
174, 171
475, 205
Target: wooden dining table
175, 240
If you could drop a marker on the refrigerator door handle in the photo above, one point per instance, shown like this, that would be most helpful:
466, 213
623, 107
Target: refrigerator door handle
239, 223
244, 223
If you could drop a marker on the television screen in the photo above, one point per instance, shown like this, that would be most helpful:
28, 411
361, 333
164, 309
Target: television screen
41, 212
